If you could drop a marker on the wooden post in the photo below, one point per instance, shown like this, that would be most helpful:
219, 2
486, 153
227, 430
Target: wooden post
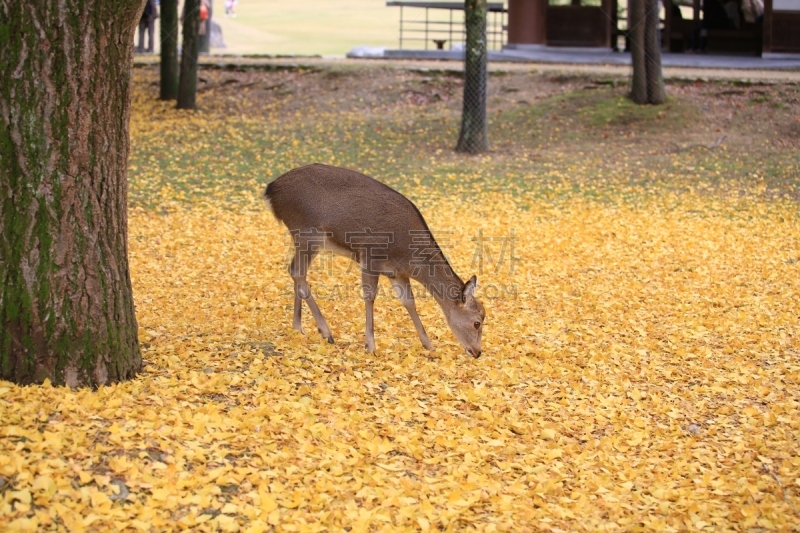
614, 24
527, 22
608, 8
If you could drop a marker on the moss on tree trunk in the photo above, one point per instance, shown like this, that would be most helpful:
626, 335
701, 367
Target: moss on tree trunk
473, 138
66, 304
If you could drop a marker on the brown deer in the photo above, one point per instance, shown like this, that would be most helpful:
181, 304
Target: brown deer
350, 214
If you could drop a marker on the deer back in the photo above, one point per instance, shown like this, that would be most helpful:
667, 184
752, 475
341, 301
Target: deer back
354, 211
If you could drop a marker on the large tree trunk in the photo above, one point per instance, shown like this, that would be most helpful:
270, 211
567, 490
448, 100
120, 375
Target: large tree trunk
169, 49
647, 86
187, 89
66, 305
473, 138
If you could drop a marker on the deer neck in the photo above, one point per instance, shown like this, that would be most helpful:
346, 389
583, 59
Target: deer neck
441, 281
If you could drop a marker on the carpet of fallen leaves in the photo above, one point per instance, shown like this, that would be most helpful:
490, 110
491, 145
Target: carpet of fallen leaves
641, 370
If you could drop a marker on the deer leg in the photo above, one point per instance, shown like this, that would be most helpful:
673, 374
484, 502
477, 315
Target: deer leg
298, 270
402, 288
369, 286
297, 322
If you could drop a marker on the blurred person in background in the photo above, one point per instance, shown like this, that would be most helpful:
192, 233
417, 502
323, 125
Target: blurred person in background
148, 23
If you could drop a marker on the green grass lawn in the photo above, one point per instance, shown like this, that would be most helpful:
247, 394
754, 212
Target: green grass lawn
307, 27
547, 133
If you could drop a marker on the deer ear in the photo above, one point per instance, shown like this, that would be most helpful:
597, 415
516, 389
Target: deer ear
468, 291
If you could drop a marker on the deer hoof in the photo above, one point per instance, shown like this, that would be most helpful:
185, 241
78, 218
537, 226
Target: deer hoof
330, 339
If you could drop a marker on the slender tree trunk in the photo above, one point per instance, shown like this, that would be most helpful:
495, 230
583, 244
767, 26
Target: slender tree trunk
169, 49
647, 86
66, 304
187, 88
473, 138
656, 93
636, 24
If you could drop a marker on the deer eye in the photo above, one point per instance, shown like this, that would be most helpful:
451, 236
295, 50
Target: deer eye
477, 325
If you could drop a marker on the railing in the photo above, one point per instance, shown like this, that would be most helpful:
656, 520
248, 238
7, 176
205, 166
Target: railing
443, 25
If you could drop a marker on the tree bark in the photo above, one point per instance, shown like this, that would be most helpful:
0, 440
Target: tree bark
473, 138
647, 86
187, 88
66, 304
169, 49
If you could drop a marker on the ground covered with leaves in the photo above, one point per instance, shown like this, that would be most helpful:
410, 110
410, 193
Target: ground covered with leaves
641, 362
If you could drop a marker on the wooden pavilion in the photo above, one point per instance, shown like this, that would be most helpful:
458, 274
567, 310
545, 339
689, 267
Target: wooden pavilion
595, 23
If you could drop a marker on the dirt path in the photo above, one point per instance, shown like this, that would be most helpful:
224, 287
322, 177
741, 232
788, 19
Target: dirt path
674, 73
